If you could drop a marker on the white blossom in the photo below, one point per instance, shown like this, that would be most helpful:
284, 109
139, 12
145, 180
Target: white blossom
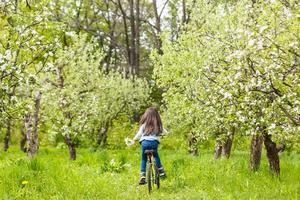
70, 33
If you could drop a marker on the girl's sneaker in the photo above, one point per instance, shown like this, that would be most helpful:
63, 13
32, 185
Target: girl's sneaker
162, 172
143, 178
142, 181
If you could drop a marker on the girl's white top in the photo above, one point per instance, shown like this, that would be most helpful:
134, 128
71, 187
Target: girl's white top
142, 136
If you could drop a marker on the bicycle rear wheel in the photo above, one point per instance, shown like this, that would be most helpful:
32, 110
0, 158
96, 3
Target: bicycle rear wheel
149, 178
157, 180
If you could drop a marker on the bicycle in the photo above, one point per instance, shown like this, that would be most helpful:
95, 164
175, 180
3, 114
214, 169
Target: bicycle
152, 175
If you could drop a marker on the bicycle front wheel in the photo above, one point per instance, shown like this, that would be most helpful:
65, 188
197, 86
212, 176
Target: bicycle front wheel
149, 177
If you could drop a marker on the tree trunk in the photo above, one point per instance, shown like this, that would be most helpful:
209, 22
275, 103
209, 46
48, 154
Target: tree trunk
102, 136
218, 149
186, 14
158, 42
28, 127
23, 139
124, 16
16, 6
67, 115
183, 12
226, 148
255, 152
27, 4
174, 22
272, 153
32, 135
71, 146
111, 23
137, 37
189, 11
193, 149
133, 38
9, 118
8, 133
72, 152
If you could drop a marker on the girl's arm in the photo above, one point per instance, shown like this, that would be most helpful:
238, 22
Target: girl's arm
139, 133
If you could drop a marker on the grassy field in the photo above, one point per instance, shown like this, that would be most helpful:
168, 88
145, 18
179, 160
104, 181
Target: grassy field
112, 174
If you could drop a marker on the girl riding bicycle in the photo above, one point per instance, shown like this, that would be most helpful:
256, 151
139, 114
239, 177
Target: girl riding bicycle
148, 136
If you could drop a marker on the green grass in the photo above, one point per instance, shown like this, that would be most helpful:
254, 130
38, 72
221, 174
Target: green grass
110, 174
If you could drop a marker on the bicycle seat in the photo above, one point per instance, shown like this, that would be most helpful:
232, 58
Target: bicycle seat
150, 151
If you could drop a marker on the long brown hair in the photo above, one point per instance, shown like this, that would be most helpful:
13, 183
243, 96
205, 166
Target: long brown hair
152, 121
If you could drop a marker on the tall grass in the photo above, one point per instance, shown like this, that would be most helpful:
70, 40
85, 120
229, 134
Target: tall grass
110, 174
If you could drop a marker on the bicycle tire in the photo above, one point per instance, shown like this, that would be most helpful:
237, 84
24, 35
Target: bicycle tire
157, 178
153, 175
149, 181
